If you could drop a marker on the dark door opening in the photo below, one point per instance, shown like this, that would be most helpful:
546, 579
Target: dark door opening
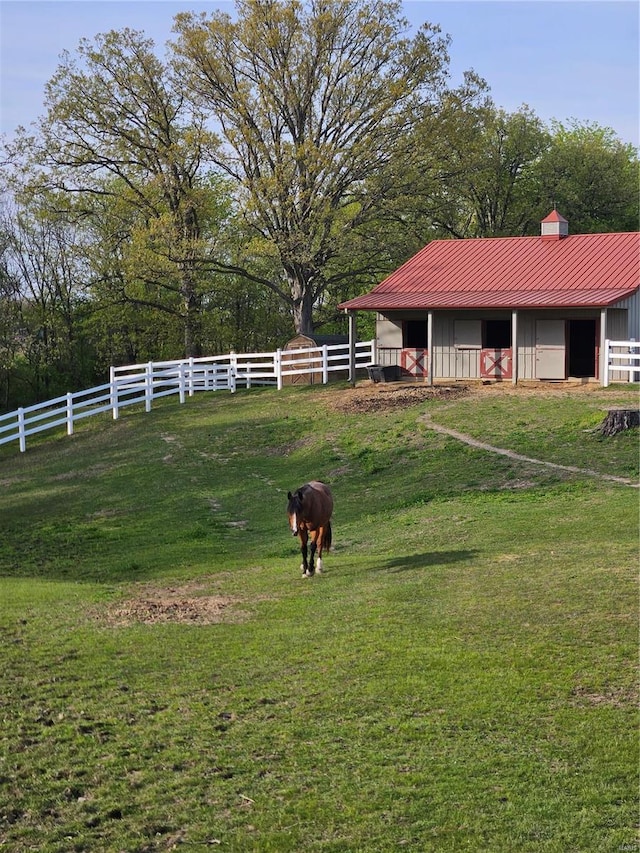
582, 348
496, 334
415, 334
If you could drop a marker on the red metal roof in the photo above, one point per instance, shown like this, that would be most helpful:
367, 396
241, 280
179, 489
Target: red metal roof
554, 216
579, 271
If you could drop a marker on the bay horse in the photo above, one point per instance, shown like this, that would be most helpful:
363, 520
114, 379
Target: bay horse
309, 512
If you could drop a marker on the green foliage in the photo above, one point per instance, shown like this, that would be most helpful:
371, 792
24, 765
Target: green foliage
462, 676
312, 100
480, 172
120, 141
9, 324
592, 176
138, 234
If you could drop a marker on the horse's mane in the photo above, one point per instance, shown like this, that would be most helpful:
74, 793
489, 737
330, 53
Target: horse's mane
295, 500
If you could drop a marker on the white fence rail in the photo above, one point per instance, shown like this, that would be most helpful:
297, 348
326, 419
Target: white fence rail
621, 357
143, 383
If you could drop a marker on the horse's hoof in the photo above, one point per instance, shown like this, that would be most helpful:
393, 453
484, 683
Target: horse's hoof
319, 567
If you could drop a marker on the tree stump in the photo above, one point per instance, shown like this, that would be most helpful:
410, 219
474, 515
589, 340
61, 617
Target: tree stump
618, 420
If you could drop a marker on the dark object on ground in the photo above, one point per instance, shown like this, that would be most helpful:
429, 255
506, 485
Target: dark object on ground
384, 373
618, 420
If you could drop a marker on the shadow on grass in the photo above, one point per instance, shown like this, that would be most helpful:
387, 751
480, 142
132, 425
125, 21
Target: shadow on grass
411, 562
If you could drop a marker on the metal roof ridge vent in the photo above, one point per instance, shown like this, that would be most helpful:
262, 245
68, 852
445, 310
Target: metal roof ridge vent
554, 226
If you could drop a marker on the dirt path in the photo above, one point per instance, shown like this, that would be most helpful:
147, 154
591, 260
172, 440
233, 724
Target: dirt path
467, 439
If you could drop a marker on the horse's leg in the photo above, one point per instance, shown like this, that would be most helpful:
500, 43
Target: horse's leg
314, 541
320, 544
304, 537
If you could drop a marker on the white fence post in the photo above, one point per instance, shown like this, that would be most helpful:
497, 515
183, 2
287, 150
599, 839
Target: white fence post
113, 390
21, 436
607, 349
233, 367
191, 381
181, 380
325, 364
277, 368
69, 414
148, 390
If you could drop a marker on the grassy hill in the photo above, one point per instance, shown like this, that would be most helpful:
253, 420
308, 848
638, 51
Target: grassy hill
462, 676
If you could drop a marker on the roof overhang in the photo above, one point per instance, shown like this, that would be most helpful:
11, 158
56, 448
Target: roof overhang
496, 299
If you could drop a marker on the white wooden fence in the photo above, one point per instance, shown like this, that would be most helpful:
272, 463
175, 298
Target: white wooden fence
623, 357
143, 383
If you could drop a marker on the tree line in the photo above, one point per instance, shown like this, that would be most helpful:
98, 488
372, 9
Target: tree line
271, 165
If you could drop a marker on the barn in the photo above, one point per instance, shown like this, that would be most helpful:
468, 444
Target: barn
508, 308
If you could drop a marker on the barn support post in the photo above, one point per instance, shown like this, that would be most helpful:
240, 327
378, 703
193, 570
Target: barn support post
603, 371
514, 347
352, 347
430, 347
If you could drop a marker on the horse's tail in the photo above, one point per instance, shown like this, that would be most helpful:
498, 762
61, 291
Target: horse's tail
326, 541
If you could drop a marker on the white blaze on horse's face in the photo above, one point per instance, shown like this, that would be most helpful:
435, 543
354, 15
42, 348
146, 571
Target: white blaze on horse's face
293, 521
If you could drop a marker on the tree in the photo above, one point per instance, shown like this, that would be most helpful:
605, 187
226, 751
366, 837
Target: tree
591, 176
312, 99
487, 173
46, 276
475, 179
10, 321
425, 185
118, 137
495, 186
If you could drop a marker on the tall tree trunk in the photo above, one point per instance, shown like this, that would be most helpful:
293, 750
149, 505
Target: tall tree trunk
302, 303
192, 321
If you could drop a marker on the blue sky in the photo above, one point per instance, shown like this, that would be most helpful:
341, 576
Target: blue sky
564, 58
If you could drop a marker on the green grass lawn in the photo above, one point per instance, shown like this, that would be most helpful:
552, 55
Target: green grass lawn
462, 677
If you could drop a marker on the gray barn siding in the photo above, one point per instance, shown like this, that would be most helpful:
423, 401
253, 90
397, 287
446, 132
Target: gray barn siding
527, 345
619, 326
389, 331
632, 307
527, 334
451, 362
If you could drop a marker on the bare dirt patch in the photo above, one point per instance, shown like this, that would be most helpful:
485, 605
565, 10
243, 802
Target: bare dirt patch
371, 397
392, 396
619, 697
149, 604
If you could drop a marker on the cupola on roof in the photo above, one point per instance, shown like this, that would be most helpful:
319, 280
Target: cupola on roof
554, 226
